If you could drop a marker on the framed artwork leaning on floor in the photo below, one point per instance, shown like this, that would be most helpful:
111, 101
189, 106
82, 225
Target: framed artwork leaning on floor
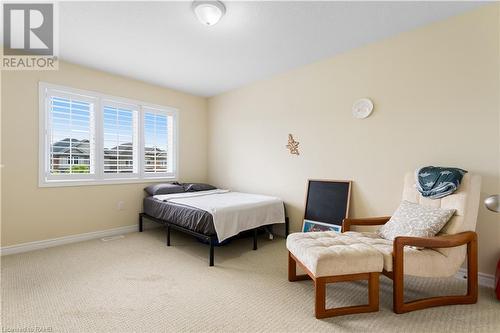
327, 205
309, 226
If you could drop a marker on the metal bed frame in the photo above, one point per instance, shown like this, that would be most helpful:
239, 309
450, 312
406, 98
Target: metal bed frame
212, 239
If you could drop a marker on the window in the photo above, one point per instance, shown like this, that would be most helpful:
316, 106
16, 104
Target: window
90, 138
70, 134
120, 140
157, 135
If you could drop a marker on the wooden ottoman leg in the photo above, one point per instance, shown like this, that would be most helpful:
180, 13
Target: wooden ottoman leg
320, 292
320, 298
292, 270
373, 291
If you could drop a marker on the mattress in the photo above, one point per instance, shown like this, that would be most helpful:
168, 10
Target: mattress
188, 217
232, 212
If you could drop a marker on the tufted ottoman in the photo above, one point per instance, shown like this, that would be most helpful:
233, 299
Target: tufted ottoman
329, 257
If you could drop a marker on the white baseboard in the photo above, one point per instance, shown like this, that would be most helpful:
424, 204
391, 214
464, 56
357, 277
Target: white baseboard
485, 280
37, 245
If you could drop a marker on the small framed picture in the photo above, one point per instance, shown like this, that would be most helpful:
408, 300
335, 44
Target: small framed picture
311, 226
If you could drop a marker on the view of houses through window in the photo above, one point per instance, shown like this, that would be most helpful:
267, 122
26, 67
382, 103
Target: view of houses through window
72, 153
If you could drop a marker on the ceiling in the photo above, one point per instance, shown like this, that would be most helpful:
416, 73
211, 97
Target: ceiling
164, 44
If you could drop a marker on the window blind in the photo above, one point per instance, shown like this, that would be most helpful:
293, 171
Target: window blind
156, 139
70, 136
120, 143
90, 138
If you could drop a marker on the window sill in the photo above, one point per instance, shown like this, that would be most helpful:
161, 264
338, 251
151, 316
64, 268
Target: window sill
94, 182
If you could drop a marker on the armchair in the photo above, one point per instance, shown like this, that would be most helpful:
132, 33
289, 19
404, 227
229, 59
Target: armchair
442, 255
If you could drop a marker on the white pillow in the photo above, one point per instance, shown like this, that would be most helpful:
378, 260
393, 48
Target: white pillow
411, 219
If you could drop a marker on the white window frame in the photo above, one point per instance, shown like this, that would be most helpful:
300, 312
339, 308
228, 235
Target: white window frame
45, 131
46, 179
172, 137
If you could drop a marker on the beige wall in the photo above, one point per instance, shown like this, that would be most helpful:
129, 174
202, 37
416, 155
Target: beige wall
436, 95
30, 213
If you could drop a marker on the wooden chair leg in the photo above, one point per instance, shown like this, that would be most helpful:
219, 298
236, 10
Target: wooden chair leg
399, 305
397, 285
472, 272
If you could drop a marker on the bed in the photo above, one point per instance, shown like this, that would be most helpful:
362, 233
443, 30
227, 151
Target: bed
210, 214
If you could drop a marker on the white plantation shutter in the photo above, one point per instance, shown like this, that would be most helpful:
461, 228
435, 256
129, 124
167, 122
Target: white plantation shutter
70, 134
89, 138
120, 139
158, 142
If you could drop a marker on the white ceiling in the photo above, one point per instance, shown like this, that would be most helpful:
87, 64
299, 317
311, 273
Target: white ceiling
163, 43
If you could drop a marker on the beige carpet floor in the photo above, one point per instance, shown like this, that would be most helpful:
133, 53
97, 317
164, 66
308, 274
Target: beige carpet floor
136, 284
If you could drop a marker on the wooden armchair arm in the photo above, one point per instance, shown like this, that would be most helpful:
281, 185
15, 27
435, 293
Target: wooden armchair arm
466, 237
346, 224
397, 274
436, 242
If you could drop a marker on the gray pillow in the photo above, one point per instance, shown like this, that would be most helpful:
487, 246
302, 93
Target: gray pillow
411, 219
164, 188
195, 187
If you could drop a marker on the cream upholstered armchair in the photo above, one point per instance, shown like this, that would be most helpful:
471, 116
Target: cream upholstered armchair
442, 255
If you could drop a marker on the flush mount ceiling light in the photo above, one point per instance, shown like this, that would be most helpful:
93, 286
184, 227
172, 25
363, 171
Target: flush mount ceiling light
209, 12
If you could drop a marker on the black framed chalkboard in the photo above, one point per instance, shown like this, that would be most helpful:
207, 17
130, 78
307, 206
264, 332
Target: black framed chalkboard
327, 201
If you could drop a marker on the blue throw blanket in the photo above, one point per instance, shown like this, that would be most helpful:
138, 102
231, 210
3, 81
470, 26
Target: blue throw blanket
438, 182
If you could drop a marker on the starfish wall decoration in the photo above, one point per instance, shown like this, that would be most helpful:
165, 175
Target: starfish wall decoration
293, 145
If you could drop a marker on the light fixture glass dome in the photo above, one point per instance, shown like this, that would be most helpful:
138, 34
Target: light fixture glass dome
209, 12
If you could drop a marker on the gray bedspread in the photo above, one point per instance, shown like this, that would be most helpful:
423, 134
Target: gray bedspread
188, 217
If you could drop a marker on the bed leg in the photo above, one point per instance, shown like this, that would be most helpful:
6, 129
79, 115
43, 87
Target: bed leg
140, 223
255, 239
211, 252
168, 235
